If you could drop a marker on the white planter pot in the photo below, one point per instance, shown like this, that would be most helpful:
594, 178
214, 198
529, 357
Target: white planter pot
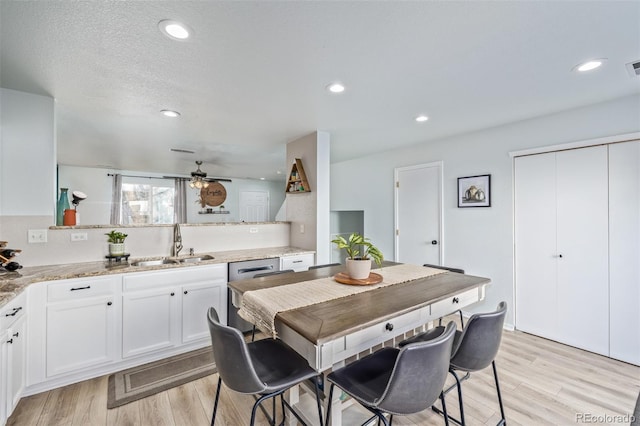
358, 269
116, 249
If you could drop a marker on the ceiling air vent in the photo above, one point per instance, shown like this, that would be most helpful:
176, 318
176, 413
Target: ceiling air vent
633, 68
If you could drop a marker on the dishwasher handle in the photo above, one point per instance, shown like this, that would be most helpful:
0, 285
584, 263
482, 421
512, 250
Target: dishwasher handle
256, 269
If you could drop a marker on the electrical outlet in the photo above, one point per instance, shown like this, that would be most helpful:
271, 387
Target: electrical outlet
253, 230
37, 236
79, 236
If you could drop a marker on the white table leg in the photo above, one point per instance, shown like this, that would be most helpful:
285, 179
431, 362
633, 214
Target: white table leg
336, 403
293, 397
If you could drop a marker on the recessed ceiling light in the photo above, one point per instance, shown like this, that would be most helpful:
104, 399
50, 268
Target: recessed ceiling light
336, 88
421, 118
174, 29
169, 113
589, 65
261, 178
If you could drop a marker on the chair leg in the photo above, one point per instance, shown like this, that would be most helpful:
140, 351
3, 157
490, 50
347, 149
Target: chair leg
253, 333
329, 404
461, 320
215, 405
257, 404
382, 417
503, 420
444, 409
459, 386
315, 381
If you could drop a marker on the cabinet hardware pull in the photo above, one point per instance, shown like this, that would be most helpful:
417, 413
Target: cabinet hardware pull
15, 311
456, 300
173, 294
297, 261
256, 269
185, 292
389, 326
434, 242
109, 303
10, 341
16, 334
80, 288
560, 256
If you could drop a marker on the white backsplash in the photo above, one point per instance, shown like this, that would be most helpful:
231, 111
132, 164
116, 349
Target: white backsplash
141, 241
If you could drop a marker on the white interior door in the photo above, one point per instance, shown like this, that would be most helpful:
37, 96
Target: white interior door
624, 251
254, 206
535, 245
583, 248
418, 214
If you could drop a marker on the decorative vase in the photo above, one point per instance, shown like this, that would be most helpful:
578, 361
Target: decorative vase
116, 249
63, 204
358, 269
69, 217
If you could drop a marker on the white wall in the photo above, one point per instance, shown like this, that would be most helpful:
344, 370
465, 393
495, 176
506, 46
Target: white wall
27, 154
480, 240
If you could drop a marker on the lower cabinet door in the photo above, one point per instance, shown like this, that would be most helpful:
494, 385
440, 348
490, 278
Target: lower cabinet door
196, 301
80, 334
17, 362
149, 321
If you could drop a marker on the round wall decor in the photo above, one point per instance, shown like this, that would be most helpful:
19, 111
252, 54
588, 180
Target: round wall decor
213, 195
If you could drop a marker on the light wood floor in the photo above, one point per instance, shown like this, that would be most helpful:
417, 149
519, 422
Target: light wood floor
542, 382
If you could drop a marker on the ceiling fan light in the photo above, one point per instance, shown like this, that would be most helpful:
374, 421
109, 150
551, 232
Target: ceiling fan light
205, 184
174, 30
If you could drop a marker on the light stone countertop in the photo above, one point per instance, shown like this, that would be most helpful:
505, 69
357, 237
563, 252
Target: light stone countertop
14, 283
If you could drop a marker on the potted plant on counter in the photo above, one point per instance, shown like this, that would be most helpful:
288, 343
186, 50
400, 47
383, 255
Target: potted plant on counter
116, 242
360, 253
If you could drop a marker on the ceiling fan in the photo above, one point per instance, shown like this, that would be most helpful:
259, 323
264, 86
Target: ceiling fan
199, 178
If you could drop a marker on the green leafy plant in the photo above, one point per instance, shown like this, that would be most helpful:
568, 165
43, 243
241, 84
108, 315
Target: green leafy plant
115, 237
359, 247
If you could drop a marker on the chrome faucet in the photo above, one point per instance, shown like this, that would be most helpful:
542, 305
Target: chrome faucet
177, 240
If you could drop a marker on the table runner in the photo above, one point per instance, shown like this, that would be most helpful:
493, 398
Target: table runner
260, 307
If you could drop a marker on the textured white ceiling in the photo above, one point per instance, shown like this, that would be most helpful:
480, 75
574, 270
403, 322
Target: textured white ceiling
253, 77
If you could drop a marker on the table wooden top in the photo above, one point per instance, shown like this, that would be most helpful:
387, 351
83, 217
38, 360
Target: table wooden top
335, 318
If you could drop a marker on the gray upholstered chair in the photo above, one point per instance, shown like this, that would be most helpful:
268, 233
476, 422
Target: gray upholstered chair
323, 266
398, 381
474, 349
266, 368
450, 269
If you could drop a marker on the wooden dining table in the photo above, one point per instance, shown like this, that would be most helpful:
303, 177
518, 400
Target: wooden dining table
331, 332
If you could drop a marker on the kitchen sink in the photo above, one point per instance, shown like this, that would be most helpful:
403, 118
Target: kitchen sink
154, 262
196, 259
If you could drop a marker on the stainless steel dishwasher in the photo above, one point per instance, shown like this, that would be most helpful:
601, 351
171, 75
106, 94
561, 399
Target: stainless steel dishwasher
242, 271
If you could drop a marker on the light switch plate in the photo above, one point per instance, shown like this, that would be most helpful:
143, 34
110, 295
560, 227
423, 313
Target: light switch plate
37, 236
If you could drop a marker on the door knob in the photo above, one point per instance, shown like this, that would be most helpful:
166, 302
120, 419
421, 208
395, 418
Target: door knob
434, 242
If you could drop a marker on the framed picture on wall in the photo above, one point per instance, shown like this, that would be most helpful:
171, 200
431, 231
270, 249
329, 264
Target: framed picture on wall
474, 191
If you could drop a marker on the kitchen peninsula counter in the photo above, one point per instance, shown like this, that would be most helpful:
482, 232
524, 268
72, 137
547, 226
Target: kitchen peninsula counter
14, 283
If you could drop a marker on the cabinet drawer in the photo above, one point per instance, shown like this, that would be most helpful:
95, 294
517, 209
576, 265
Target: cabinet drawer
383, 331
300, 262
80, 288
179, 276
453, 303
13, 311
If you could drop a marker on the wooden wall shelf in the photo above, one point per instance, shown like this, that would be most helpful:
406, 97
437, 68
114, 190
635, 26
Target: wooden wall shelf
297, 181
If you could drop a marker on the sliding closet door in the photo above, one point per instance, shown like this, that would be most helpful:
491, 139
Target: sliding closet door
624, 240
582, 248
535, 239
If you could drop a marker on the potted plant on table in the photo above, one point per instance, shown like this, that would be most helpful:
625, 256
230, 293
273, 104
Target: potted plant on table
360, 253
116, 242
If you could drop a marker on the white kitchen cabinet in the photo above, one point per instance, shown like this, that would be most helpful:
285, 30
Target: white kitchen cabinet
624, 246
4, 383
562, 258
164, 309
12, 354
16, 362
150, 320
298, 262
196, 300
81, 324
